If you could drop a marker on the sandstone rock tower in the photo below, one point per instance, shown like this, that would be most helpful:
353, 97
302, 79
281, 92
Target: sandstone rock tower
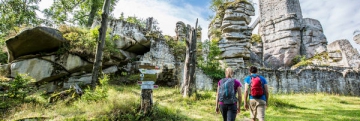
286, 34
232, 23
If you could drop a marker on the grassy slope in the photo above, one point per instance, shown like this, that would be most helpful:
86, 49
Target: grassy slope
123, 103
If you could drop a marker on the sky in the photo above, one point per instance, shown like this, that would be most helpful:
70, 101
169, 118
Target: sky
339, 18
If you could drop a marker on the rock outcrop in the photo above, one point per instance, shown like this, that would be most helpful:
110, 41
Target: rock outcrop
233, 23
34, 41
343, 54
357, 37
280, 24
129, 37
286, 34
313, 38
334, 80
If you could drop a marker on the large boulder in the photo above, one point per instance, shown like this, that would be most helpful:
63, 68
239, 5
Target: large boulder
39, 69
313, 39
357, 37
129, 37
34, 41
72, 63
343, 54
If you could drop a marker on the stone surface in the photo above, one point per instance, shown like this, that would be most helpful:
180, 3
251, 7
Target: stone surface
34, 41
82, 80
130, 37
280, 24
181, 31
160, 55
309, 80
233, 23
357, 38
286, 34
40, 70
343, 54
313, 38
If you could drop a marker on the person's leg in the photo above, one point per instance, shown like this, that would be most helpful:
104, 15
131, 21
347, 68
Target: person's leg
261, 110
231, 113
253, 110
223, 110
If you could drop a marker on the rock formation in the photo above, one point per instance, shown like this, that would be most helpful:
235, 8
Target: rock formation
286, 34
233, 21
313, 38
343, 54
357, 36
29, 42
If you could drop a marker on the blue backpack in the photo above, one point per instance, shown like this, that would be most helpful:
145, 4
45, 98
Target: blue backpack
227, 92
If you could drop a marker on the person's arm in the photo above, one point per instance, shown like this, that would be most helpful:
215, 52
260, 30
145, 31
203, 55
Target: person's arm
239, 99
266, 94
217, 100
246, 94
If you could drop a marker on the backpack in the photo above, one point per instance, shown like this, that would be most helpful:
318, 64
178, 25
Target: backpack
227, 92
256, 87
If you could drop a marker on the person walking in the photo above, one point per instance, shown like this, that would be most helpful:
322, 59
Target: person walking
257, 90
226, 100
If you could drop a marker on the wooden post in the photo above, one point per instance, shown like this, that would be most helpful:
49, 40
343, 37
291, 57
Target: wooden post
147, 86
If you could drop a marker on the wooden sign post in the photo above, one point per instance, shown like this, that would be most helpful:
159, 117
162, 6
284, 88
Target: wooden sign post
147, 78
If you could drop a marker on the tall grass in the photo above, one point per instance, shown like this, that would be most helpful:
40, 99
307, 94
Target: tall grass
123, 103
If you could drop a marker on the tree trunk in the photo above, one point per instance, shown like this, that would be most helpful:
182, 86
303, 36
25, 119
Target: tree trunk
189, 86
92, 14
101, 42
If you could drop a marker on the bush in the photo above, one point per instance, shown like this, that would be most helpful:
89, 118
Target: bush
100, 91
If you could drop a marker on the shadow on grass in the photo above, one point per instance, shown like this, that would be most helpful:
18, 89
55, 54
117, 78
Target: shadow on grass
280, 104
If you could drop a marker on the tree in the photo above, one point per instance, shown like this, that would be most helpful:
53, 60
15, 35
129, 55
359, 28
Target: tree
14, 13
101, 42
189, 87
83, 11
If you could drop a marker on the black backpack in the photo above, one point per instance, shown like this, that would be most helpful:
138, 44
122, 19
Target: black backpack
227, 92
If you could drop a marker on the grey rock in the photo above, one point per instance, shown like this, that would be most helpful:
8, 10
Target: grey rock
313, 39
34, 41
343, 49
40, 70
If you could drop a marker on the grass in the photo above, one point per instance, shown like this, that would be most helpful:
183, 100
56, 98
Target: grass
123, 103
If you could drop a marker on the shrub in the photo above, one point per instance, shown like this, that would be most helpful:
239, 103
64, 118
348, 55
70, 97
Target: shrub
100, 91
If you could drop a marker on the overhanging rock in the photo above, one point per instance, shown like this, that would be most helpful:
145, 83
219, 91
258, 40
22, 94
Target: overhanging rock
32, 41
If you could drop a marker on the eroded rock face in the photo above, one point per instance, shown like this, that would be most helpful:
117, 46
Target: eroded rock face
129, 37
236, 34
40, 70
280, 24
357, 38
313, 38
33, 41
342, 53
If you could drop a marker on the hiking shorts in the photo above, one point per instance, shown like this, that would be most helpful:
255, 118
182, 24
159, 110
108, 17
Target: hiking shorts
257, 108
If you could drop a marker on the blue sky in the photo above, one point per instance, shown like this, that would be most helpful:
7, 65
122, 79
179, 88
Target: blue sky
339, 18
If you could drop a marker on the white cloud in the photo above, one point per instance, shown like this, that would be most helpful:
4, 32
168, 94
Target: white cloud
164, 12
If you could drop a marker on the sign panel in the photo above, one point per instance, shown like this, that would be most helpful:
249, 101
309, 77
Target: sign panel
149, 71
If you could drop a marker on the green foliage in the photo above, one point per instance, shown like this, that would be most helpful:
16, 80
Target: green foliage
123, 104
19, 86
303, 61
100, 92
211, 66
177, 47
82, 40
15, 13
83, 11
137, 21
255, 38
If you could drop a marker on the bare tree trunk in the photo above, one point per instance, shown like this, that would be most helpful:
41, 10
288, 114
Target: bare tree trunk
101, 42
189, 86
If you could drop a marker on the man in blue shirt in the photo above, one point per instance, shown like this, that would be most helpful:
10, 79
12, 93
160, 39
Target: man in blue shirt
257, 105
